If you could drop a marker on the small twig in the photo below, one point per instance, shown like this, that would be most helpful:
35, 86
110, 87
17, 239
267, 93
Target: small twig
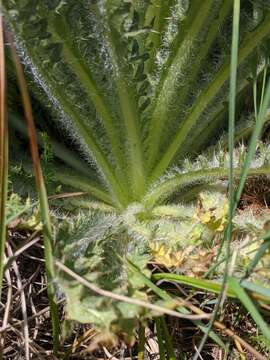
151, 343
37, 352
19, 251
30, 318
33, 308
35, 258
17, 347
23, 305
231, 333
118, 297
199, 355
7, 308
66, 195
228, 332
27, 282
108, 354
78, 341
240, 350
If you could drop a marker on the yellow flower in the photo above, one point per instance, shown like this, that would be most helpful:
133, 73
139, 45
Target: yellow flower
166, 257
212, 211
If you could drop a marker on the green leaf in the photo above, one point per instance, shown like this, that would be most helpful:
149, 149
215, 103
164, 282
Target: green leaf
207, 285
206, 96
198, 32
176, 181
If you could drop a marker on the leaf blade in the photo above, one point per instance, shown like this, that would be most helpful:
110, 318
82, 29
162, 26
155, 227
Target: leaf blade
249, 305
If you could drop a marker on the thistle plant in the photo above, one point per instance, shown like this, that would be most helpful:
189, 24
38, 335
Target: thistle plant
138, 88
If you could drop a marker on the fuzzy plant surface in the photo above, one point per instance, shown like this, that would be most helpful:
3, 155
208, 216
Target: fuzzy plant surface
135, 89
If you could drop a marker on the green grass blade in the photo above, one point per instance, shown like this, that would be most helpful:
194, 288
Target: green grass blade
249, 305
257, 289
259, 254
203, 284
232, 103
232, 110
160, 339
254, 61
167, 340
3, 153
264, 81
165, 296
255, 97
43, 199
258, 292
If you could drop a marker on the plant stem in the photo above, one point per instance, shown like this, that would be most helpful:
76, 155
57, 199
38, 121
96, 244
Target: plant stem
42, 193
228, 231
141, 343
168, 340
3, 154
160, 340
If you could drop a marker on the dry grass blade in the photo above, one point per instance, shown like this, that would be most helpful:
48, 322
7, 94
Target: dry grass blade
42, 193
23, 305
19, 251
66, 195
6, 309
152, 345
3, 159
30, 318
3, 152
34, 285
227, 331
109, 355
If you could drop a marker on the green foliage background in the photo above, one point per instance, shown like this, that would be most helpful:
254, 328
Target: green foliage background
133, 97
